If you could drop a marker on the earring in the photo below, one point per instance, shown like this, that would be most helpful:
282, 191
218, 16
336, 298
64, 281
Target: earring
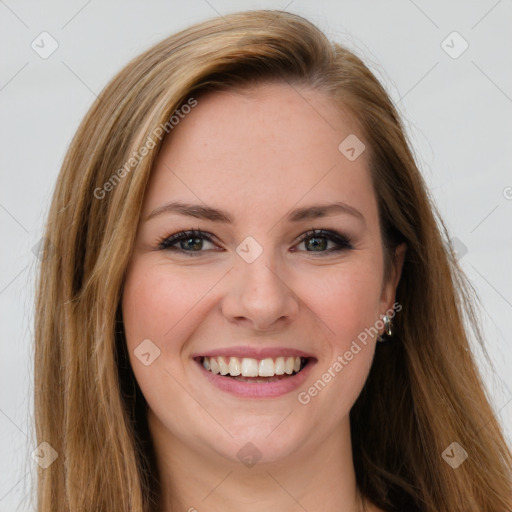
388, 329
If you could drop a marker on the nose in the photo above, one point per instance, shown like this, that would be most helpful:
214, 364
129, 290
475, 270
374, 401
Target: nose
258, 296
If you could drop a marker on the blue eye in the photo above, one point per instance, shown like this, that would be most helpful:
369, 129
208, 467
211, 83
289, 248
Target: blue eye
318, 240
192, 242
189, 242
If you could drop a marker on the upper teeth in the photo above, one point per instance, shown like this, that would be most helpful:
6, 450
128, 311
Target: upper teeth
249, 367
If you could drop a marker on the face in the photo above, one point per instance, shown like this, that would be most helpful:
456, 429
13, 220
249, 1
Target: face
271, 287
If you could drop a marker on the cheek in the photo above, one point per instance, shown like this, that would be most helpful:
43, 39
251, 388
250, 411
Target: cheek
347, 300
157, 303
147, 313
158, 306
164, 307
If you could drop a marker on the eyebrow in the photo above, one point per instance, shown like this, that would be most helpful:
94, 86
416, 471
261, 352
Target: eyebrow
216, 215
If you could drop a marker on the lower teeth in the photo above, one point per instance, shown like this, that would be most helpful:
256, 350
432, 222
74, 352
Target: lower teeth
257, 380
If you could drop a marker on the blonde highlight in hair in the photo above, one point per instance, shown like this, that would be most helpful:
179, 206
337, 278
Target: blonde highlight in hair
424, 390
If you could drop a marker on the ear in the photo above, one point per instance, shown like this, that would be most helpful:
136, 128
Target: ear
389, 287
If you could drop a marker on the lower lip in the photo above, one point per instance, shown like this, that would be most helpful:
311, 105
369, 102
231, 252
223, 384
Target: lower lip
257, 389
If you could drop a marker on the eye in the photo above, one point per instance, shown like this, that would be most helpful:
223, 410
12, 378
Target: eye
190, 242
318, 240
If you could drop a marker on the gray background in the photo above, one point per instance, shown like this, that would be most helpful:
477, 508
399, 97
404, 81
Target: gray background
458, 114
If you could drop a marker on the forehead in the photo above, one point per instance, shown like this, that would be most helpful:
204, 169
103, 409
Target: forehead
261, 149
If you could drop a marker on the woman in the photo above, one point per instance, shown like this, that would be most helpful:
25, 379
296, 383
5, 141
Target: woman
193, 349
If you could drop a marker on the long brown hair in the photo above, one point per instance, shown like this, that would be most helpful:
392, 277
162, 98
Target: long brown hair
424, 391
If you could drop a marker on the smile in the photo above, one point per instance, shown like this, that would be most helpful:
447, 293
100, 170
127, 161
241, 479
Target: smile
250, 367
256, 377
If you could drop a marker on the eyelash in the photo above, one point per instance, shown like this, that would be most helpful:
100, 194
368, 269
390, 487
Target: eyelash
343, 243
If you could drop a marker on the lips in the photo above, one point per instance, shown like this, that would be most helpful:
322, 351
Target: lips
255, 372
253, 352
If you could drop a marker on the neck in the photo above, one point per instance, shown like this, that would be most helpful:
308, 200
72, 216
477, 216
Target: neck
318, 478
